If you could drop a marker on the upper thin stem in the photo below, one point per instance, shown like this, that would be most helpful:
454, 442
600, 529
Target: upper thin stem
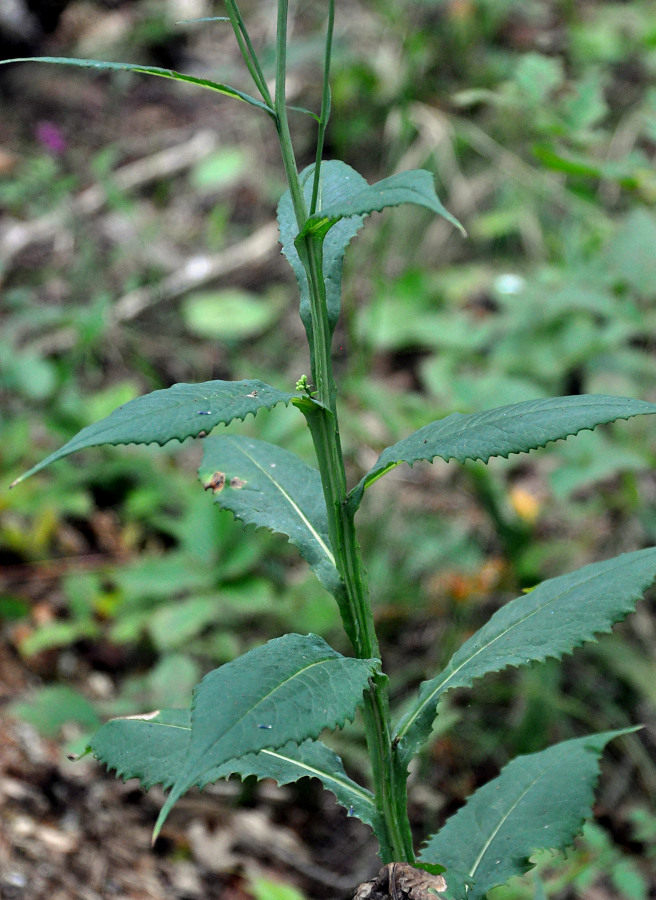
248, 51
282, 123
325, 106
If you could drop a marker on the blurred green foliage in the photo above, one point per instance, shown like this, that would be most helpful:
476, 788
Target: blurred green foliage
539, 122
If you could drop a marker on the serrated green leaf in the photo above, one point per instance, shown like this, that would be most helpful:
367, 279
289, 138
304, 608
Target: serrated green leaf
416, 186
555, 618
312, 759
175, 413
153, 748
266, 486
146, 70
539, 801
290, 689
343, 192
337, 179
517, 428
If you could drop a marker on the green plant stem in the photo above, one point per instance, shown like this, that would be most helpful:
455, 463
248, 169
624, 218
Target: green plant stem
325, 107
282, 123
390, 789
247, 50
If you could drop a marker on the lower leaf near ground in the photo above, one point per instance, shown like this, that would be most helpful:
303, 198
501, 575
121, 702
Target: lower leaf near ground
538, 802
153, 748
288, 690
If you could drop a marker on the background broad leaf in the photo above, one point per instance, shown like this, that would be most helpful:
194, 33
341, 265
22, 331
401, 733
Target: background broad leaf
516, 428
539, 801
266, 486
559, 615
145, 70
416, 186
153, 748
290, 689
175, 413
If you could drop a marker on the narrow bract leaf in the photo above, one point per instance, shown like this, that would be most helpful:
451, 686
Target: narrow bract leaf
153, 748
538, 802
555, 618
336, 180
266, 486
416, 186
290, 689
175, 413
145, 70
516, 428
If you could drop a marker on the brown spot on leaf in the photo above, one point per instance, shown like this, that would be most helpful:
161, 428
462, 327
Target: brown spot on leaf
237, 483
401, 881
201, 434
216, 483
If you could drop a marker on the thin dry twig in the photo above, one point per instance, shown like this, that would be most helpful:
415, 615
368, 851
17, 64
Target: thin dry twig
197, 271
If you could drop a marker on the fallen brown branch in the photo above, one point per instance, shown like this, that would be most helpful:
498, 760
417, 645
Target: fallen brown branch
197, 271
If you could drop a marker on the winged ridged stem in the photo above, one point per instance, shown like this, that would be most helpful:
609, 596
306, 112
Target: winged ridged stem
390, 791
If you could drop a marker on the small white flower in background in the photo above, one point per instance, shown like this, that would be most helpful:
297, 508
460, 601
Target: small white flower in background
509, 283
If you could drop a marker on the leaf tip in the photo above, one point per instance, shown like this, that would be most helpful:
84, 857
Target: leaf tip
161, 818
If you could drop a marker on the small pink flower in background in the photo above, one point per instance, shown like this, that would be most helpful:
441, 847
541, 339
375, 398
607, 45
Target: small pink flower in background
51, 138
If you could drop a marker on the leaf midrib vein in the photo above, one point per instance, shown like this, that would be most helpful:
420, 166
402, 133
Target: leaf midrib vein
323, 776
505, 817
267, 696
322, 544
